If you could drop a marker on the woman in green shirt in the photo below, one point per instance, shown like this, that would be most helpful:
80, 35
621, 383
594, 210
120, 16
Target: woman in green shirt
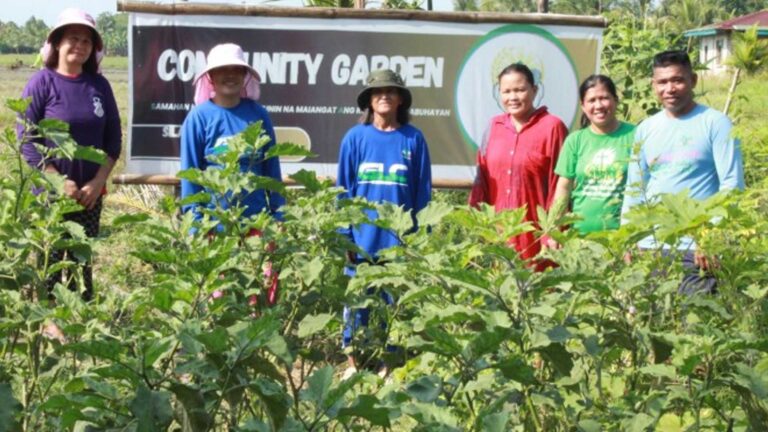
593, 162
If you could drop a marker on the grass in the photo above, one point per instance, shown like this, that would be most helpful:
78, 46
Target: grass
29, 60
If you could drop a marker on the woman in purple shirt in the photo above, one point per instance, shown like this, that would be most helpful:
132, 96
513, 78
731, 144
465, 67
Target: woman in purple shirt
70, 88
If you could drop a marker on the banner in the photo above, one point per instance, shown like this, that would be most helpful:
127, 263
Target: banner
312, 70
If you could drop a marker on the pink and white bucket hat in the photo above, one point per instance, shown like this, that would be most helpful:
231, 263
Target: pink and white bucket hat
74, 16
227, 54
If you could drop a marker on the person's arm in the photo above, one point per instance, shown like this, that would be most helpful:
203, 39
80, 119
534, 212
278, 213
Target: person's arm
726, 152
423, 178
346, 178
560, 205
36, 90
479, 192
92, 190
637, 179
729, 164
562, 198
557, 138
556, 141
271, 168
192, 156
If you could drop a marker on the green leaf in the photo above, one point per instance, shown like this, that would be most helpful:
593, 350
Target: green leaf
216, 341
755, 292
641, 422
659, 371
152, 409
554, 335
103, 349
18, 106
496, 422
589, 425
425, 389
308, 179
10, 409
274, 398
516, 369
288, 149
319, 383
544, 310
434, 213
752, 380
368, 408
311, 271
312, 324
154, 349
277, 345
558, 357
130, 219
193, 402
335, 397
91, 154
485, 342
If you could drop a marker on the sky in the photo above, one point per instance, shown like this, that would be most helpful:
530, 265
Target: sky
19, 11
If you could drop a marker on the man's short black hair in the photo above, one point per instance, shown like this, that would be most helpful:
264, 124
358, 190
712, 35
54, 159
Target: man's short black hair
673, 57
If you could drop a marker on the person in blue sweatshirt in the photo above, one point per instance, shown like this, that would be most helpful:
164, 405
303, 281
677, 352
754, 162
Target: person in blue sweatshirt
382, 159
225, 104
686, 146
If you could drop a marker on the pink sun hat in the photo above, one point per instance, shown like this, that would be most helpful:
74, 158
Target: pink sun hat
227, 54
74, 16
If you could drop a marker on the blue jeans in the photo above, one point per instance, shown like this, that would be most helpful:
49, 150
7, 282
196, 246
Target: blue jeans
695, 281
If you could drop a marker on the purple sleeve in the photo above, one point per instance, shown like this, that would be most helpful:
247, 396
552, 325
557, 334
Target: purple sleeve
37, 89
113, 134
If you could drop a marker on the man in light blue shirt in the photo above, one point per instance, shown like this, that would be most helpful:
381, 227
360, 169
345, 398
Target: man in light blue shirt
684, 146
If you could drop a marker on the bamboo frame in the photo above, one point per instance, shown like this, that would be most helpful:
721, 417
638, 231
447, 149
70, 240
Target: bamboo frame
332, 13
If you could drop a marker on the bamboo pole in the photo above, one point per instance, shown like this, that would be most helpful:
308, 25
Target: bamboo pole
732, 90
333, 13
169, 180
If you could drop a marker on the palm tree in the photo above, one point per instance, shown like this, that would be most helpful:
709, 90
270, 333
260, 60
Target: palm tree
684, 15
465, 5
749, 55
508, 5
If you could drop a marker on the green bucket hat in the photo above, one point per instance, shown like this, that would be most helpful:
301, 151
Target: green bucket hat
382, 78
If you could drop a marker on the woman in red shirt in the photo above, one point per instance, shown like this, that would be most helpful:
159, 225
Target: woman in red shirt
517, 156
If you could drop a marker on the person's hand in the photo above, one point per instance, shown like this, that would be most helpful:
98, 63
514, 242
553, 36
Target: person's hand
548, 242
704, 262
627, 258
91, 192
71, 190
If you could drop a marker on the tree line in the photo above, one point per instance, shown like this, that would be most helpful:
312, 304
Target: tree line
28, 38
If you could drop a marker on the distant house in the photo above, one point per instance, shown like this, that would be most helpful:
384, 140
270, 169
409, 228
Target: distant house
715, 39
